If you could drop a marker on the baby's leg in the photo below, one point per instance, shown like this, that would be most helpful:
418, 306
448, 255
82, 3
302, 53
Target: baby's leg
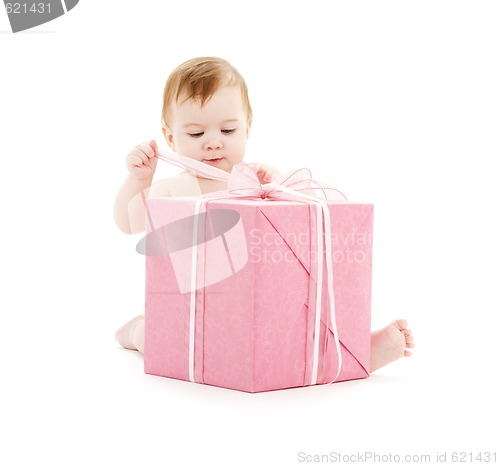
131, 335
387, 344
390, 343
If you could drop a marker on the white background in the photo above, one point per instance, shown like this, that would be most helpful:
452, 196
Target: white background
394, 102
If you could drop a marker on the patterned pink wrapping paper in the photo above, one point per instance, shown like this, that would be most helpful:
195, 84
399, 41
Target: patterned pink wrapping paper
254, 330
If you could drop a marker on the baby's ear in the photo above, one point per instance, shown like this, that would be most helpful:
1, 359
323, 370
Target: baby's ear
169, 137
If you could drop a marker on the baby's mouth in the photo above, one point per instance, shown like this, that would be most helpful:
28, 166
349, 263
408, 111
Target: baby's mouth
212, 160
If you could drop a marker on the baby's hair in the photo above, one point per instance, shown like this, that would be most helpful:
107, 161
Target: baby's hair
199, 79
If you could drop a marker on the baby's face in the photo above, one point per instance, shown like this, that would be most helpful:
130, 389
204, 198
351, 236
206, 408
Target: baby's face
215, 134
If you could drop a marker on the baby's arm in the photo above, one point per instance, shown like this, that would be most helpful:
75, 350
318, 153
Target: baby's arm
129, 204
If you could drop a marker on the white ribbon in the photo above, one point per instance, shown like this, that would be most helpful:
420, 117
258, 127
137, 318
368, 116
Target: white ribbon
243, 183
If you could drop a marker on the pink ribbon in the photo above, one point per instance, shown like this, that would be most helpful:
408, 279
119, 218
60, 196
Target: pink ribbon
194, 166
243, 183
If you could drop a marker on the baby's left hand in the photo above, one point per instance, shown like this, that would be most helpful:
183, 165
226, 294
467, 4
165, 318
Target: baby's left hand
265, 173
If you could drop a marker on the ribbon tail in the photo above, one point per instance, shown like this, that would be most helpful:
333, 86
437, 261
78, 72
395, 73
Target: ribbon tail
195, 166
331, 296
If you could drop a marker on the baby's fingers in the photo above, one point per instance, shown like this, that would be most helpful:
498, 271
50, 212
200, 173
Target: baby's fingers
154, 146
137, 159
146, 151
265, 176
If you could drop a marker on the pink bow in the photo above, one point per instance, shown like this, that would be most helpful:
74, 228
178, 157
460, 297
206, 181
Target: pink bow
243, 181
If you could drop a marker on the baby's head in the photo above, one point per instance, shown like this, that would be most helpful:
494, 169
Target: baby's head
206, 112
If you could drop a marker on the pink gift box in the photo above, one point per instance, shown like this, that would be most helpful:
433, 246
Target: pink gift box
254, 326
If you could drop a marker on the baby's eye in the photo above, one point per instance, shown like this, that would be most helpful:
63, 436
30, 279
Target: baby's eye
196, 135
228, 131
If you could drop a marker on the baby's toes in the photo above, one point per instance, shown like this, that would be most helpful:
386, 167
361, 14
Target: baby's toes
401, 324
408, 342
406, 331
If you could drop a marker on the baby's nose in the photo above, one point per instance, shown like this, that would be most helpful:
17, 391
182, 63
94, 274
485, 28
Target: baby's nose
213, 144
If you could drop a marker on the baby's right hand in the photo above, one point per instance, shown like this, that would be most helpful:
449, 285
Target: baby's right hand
141, 160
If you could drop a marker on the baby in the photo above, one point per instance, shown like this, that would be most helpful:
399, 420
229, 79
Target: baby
207, 116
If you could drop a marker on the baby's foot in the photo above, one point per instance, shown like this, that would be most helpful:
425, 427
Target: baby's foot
390, 343
129, 335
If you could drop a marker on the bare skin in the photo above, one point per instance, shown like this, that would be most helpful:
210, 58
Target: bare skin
215, 133
131, 335
390, 344
387, 344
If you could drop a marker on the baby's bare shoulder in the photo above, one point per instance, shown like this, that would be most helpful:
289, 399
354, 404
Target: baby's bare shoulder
160, 188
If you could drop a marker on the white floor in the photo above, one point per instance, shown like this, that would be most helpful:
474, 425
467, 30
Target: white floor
408, 119
71, 396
